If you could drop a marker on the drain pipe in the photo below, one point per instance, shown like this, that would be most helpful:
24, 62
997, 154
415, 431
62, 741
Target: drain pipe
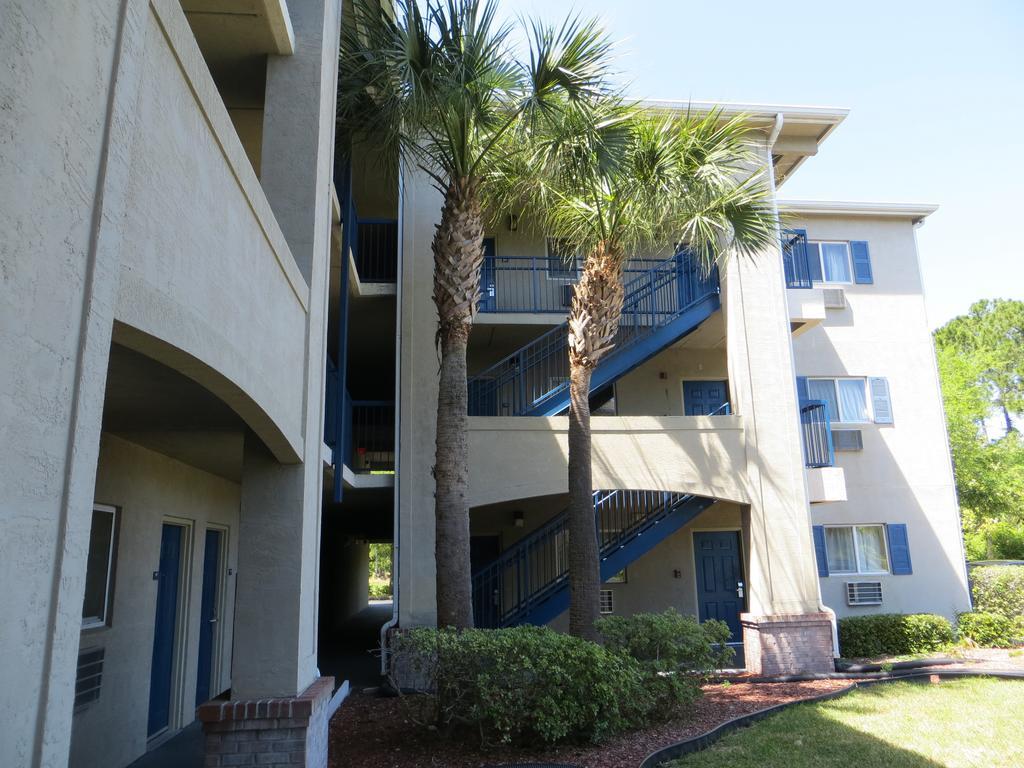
396, 496
772, 138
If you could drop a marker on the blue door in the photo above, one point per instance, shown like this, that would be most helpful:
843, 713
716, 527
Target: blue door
720, 586
488, 287
701, 398
208, 614
162, 668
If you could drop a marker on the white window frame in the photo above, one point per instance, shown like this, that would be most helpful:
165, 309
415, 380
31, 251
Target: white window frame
856, 551
821, 261
100, 622
870, 415
559, 277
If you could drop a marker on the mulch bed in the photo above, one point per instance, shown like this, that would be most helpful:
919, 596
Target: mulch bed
371, 732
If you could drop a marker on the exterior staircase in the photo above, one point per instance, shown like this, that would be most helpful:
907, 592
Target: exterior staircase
662, 305
528, 583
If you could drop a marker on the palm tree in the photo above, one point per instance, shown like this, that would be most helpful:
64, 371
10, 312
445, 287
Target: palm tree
610, 182
440, 87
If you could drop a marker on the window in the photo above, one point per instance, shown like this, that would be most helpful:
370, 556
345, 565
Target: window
99, 569
835, 262
846, 399
607, 601
561, 263
856, 549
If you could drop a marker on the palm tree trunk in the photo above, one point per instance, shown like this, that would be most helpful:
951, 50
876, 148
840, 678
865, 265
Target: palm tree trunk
584, 560
593, 323
458, 253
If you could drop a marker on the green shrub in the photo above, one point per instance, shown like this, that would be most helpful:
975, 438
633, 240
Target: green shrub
893, 634
998, 589
669, 641
531, 684
988, 629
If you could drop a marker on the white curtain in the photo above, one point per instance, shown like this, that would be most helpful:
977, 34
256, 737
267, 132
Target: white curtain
853, 404
824, 389
835, 263
871, 549
841, 555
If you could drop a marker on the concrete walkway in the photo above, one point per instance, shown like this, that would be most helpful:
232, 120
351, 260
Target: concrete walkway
352, 652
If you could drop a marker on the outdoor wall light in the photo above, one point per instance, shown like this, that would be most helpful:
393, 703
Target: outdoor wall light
513, 222
519, 519
677, 574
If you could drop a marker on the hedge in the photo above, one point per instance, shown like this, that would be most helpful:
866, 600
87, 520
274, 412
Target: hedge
998, 589
893, 634
532, 685
989, 629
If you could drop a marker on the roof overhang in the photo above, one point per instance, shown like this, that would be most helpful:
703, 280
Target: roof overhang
804, 128
916, 212
232, 30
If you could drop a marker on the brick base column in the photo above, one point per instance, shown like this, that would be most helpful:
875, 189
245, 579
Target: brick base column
788, 644
288, 731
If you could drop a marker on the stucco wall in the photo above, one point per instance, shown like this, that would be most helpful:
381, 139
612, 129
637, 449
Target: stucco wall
903, 475
206, 273
704, 455
146, 487
643, 392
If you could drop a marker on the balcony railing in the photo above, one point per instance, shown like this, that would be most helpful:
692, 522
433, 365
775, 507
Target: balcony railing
373, 436
375, 249
365, 429
795, 259
814, 421
537, 283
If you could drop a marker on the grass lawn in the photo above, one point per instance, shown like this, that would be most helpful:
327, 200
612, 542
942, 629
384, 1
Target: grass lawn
957, 723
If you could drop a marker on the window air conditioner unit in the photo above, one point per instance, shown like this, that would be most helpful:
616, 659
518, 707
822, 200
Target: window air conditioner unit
863, 593
847, 440
834, 298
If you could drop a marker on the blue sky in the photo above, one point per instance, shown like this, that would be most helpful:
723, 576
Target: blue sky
936, 98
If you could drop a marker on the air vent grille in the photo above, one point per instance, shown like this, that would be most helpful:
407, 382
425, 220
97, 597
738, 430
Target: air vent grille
89, 677
863, 593
847, 440
834, 298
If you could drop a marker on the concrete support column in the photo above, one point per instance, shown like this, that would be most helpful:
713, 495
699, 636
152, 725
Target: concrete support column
418, 386
781, 570
278, 559
63, 161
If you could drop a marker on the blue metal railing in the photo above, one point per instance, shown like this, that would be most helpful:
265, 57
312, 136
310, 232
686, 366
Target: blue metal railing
521, 382
817, 433
372, 448
538, 283
375, 249
795, 259
536, 566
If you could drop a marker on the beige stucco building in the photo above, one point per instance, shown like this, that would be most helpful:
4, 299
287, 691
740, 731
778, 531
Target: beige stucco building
219, 378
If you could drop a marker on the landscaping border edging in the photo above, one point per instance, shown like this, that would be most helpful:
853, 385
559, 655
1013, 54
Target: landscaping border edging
705, 740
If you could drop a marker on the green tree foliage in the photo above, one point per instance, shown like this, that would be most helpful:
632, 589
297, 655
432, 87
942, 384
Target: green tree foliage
981, 366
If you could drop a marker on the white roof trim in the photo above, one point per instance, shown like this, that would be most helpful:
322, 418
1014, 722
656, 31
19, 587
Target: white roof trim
795, 113
914, 211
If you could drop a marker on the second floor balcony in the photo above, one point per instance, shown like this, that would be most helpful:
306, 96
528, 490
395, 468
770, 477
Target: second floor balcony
825, 481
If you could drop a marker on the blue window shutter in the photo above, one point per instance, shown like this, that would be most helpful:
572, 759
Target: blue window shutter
801, 389
819, 549
881, 404
899, 549
814, 261
861, 261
